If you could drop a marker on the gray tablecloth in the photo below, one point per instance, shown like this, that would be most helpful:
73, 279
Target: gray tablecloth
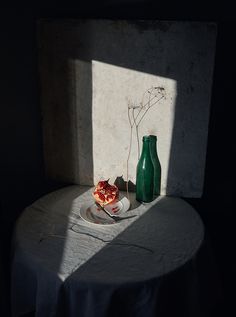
63, 266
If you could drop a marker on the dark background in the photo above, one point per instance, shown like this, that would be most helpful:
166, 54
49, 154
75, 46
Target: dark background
22, 178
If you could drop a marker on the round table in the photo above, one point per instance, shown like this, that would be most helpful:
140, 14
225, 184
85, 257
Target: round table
64, 266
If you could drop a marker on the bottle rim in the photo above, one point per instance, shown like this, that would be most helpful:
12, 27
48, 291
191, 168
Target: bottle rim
146, 138
152, 137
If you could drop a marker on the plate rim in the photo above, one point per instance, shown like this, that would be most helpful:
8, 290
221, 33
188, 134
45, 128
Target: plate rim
87, 205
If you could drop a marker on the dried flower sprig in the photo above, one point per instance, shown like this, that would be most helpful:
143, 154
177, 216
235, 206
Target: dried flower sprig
136, 113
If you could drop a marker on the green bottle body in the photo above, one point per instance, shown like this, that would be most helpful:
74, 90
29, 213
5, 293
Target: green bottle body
156, 165
145, 174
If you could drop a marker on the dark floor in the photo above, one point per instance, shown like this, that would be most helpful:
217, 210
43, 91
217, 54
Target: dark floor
219, 225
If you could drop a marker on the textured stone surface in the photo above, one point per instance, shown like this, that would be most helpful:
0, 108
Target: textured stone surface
88, 71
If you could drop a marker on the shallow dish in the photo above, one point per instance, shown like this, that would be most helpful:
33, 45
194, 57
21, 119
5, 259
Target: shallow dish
96, 215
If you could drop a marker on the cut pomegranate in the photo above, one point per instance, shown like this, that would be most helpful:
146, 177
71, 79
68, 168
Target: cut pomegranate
104, 193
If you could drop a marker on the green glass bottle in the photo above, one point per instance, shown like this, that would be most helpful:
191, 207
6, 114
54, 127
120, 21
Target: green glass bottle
145, 174
156, 165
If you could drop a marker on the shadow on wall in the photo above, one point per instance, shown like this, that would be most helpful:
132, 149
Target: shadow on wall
67, 128
122, 184
190, 124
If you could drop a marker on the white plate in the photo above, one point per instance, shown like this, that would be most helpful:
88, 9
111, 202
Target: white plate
117, 208
93, 214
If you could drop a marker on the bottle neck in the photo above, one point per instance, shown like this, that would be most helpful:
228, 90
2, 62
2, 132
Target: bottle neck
146, 147
153, 146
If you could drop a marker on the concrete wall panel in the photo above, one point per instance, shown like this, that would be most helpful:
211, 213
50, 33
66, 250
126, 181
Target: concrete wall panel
90, 68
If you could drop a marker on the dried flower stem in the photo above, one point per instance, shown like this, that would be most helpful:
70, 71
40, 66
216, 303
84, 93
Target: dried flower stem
155, 94
130, 146
149, 108
136, 129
